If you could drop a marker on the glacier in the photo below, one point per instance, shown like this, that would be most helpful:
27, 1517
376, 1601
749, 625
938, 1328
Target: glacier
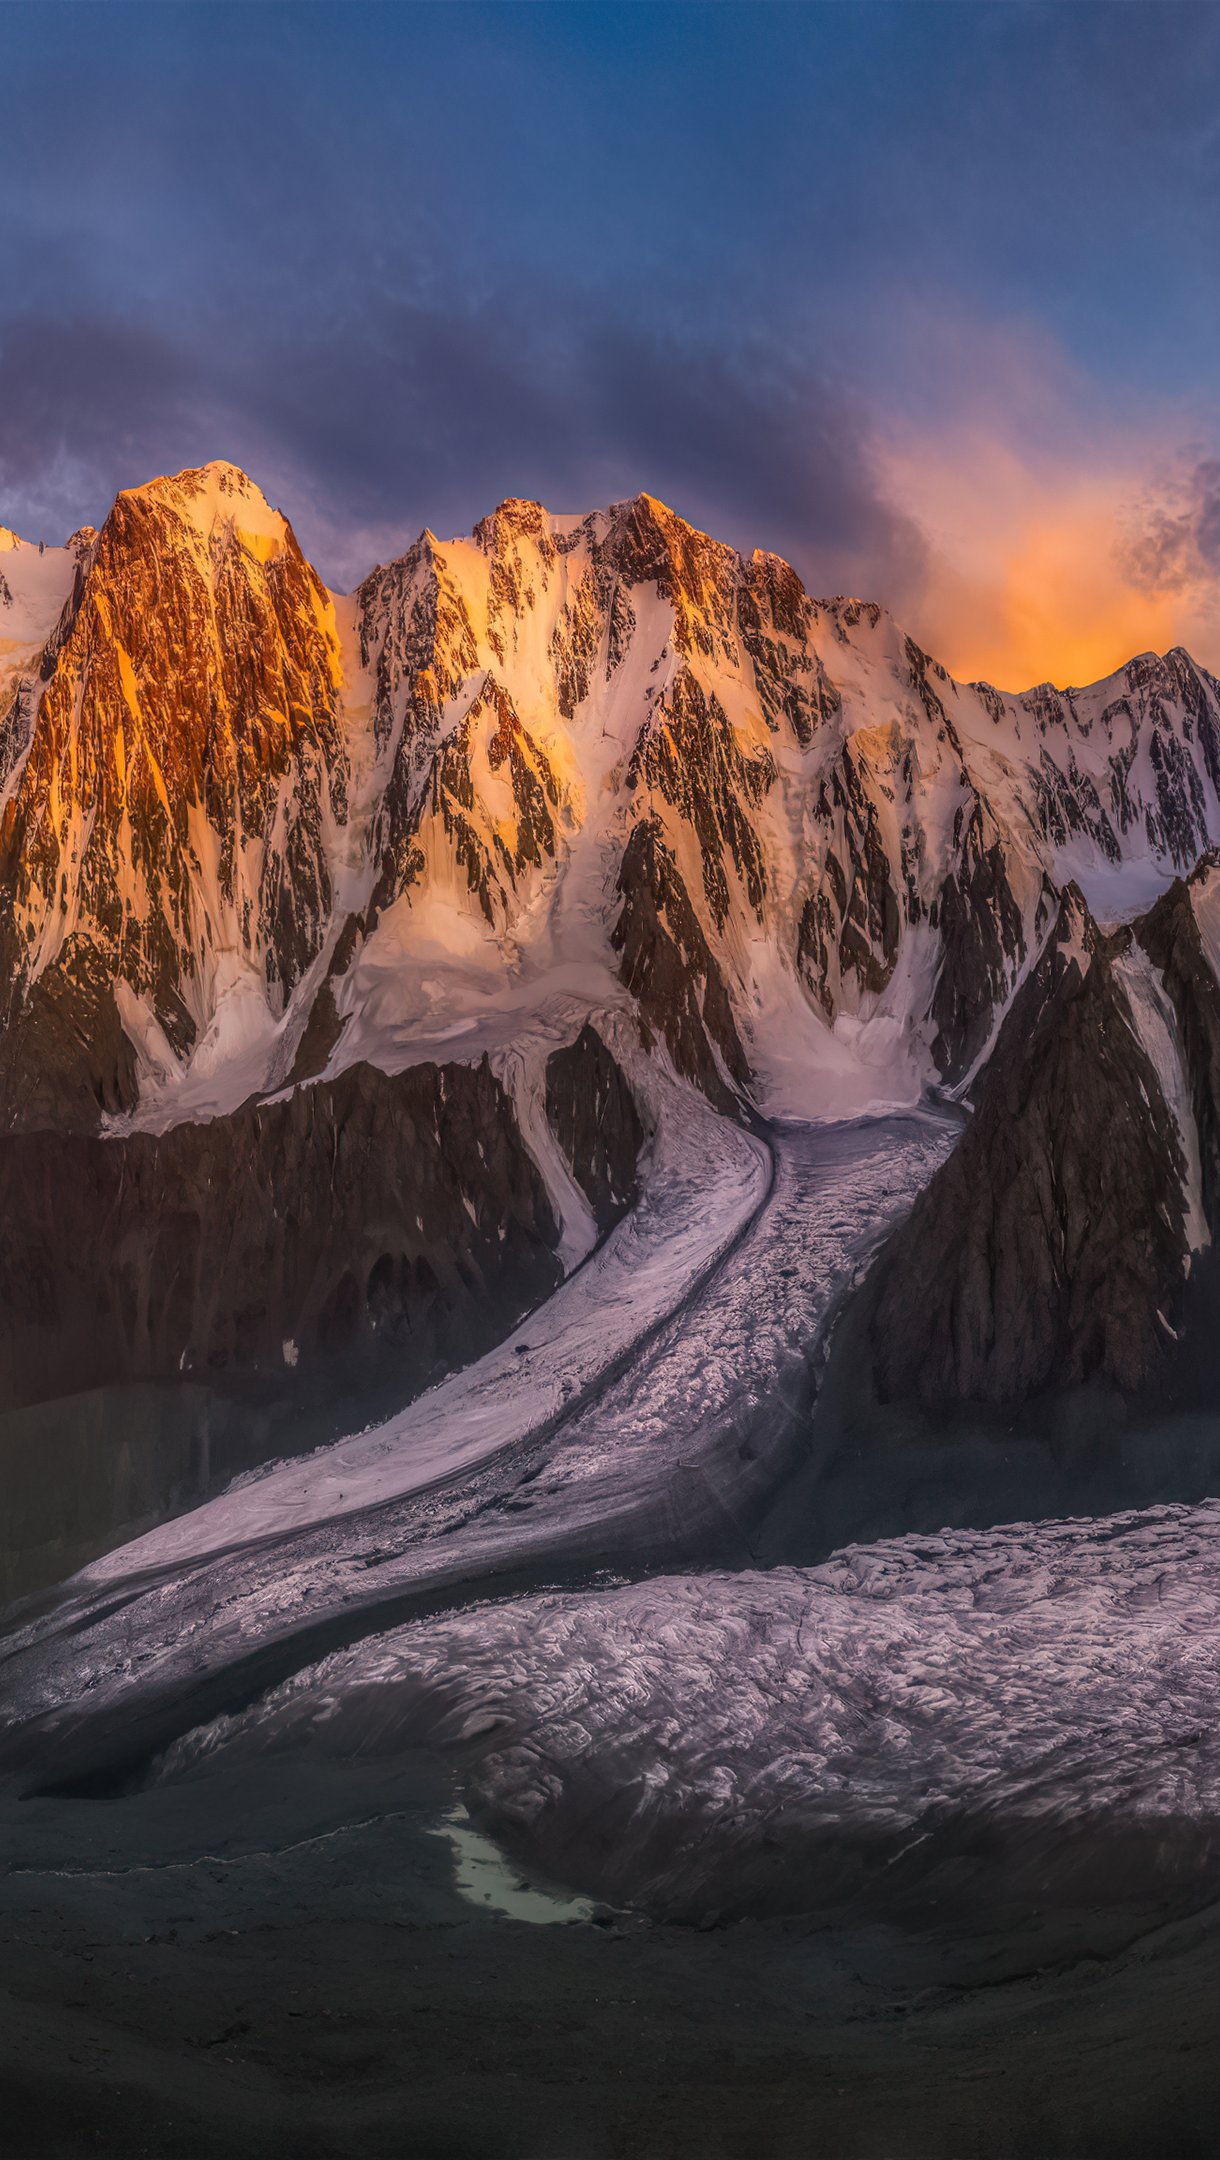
808, 1739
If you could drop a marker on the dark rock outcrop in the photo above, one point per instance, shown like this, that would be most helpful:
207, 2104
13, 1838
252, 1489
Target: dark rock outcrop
65, 1061
1050, 1251
983, 944
690, 760
1169, 933
191, 710
671, 971
593, 1115
173, 796
850, 925
402, 1212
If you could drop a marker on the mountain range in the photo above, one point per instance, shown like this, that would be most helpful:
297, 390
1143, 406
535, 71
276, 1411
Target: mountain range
336, 931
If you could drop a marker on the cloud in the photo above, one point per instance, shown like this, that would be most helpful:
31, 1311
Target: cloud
1016, 532
1173, 541
399, 265
1024, 579
1055, 546
395, 412
761, 447
81, 397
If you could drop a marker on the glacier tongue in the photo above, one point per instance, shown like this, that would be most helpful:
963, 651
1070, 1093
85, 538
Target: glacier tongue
1036, 1697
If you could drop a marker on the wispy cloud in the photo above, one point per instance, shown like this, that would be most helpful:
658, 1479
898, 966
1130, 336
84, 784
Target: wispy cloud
1061, 537
1173, 541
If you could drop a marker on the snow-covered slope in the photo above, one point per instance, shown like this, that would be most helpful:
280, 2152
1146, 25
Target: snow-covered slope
36, 584
851, 855
566, 764
822, 864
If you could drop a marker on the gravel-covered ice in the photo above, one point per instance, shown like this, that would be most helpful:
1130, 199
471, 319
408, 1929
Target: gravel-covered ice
773, 1739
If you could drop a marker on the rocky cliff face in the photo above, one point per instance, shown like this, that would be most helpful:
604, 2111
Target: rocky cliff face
170, 805
805, 823
1069, 1239
1172, 935
1054, 1246
592, 1113
672, 973
400, 1214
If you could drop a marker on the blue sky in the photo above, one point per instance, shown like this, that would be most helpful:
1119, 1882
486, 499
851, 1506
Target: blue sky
925, 297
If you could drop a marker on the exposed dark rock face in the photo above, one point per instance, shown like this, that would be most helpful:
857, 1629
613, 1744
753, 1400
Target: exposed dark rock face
416, 634
850, 926
173, 799
217, 783
319, 1036
64, 1059
689, 758
195, 677
492, 863
594, 1118
774, 616
1051, 1248
1166, 702
877, 879
647, 545
671, 971
81, 1473
368, 1210
181, 818
692, 771
324, 1022
983, 944
1170, 935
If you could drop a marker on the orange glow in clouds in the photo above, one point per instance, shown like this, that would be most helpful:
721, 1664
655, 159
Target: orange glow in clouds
1026, 580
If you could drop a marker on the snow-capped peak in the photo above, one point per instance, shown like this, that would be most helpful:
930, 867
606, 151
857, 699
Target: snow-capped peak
215, 499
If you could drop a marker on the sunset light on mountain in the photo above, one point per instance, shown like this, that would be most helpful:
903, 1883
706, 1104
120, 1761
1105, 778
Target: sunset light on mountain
610, 1080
